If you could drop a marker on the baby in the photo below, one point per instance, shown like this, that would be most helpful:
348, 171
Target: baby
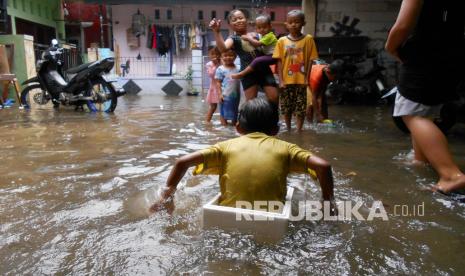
267, 42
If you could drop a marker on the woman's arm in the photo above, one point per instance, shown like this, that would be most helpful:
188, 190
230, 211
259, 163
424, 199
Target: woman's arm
404, 25
176, 174
222, 45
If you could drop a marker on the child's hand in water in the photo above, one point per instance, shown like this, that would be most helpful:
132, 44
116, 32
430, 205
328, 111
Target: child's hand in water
165, 201
163, 204
215, 24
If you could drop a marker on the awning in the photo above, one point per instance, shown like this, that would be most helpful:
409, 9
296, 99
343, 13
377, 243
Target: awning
194, 2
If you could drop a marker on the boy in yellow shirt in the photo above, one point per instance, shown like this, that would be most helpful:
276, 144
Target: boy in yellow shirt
295, 54
254, 166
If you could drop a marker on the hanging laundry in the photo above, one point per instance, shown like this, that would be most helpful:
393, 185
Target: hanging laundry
173, 41
183, 37
198, 38
176, 39
154, 36
163, 40
149, 37
192, 37
138, 24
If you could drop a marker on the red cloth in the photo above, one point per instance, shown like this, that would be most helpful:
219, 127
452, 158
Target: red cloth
154, 37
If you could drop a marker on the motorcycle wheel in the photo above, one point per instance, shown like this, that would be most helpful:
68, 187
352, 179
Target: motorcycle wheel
100, 86
25, 101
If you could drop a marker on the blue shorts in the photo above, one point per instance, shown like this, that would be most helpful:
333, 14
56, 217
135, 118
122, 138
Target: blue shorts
229, 108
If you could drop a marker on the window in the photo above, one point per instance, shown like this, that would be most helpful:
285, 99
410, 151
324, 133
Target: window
213, 14
157, 14
200, 15
169, 14
226, 14
272, 16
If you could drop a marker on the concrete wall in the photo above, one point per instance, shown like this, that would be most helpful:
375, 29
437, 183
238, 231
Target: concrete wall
122, 16
44, 12
376, 17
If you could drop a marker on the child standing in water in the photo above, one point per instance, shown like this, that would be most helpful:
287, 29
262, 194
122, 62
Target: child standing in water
267, 43
228, 88
246, 52
295, 53
213, 95
252, 167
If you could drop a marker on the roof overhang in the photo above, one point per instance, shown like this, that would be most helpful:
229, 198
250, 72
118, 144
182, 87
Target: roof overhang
193, 2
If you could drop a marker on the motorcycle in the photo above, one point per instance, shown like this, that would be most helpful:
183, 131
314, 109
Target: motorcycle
82, 85
353, 86
451, 112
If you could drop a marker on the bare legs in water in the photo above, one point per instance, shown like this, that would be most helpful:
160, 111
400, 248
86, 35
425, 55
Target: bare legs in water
430, 145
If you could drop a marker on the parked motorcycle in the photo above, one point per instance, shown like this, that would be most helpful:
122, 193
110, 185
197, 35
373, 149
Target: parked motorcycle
82, 85
358, 87
451, 112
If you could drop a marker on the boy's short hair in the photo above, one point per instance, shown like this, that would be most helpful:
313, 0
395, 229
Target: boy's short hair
336, 67
259, 115
264, 17
296, 13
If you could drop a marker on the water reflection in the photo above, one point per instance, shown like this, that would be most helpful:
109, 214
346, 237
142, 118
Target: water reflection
74, 188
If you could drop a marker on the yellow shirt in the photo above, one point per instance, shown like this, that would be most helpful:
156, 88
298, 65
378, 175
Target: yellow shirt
253, 167
296, 57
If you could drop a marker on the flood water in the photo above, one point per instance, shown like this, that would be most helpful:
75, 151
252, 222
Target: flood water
74, 187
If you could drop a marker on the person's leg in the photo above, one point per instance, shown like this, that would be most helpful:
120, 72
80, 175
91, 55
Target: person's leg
223, 121
210, 112
324, 106
316, 106
251, 92
284, 102
432, 144
287, 120
272, 93
309, 110
309, 113
259, 63
242, 73
300, 105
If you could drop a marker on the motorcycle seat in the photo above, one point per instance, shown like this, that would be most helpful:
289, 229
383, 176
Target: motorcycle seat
79, 68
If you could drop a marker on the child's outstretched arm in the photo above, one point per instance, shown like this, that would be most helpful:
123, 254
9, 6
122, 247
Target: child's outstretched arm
222, 45
252, 40
176, 174
324, 174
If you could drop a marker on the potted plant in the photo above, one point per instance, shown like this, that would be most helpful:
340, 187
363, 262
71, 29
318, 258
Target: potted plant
191, 90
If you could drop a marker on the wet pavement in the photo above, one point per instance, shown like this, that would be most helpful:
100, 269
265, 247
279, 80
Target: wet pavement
74, 188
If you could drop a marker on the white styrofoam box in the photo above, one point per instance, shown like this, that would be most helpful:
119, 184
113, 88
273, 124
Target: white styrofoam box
264, 226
